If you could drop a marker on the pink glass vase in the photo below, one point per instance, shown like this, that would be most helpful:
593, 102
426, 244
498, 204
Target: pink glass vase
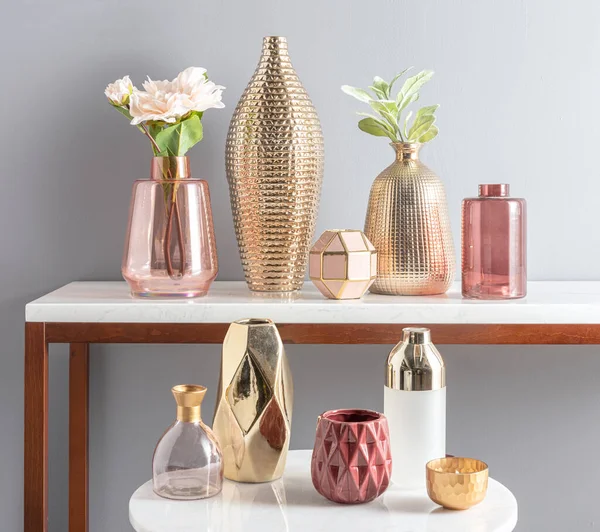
494, 250
351, 461
170, 246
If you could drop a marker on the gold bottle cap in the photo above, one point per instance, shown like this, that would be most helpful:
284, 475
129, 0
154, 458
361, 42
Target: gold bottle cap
415, 364
189, 398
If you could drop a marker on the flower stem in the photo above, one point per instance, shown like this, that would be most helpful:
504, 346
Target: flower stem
155, 147
174, 215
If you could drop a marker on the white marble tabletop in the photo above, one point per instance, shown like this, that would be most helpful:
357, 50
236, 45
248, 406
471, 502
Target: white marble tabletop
291, 504
107, 301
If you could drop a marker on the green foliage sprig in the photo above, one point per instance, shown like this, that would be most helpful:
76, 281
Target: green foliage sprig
389, 123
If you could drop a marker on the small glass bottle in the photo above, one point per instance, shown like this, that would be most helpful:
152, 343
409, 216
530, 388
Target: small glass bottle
187, 462
494, 249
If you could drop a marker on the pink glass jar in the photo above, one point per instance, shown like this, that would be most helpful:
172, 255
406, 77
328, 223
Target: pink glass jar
170, 246
494, 251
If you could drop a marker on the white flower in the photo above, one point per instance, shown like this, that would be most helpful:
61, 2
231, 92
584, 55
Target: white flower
118, 92
201, 94
189, 78
167, 101
159, 105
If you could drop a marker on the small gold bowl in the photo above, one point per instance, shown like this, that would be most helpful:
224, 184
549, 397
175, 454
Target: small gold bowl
457, 483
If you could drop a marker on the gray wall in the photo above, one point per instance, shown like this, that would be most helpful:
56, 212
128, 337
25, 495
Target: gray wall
518, 81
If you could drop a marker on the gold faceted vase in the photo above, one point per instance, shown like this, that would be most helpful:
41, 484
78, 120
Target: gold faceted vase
408, 223
253, 416
274, 161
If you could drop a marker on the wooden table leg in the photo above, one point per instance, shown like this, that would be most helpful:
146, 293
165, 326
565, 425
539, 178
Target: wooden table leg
35, 448
78, 437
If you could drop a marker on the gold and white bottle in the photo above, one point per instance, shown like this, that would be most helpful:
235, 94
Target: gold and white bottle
415, 406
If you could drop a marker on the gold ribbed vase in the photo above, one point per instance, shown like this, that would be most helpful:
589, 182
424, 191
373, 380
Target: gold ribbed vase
274, 160
408, 223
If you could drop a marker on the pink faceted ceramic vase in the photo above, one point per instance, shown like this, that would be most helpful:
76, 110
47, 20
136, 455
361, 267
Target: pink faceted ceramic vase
351, 461
343, 264
170, 247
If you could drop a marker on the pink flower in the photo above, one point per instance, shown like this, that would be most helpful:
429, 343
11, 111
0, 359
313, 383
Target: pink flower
168, 101
119, 91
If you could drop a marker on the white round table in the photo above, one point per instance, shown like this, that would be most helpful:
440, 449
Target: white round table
291, 504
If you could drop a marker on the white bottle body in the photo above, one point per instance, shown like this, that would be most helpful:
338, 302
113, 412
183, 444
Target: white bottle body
417, 422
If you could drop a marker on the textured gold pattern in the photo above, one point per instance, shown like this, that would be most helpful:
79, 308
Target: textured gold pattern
254, 402
407, 222
457, 483
274, 161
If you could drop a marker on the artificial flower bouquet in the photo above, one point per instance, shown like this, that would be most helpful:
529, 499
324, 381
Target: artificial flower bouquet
169, 113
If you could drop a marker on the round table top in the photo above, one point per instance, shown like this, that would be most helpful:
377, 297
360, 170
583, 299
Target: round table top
291, 504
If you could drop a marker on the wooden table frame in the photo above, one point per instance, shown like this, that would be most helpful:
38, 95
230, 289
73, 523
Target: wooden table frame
38, 335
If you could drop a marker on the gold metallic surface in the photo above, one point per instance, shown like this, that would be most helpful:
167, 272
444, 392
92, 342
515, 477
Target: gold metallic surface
274, 161
189, 397
457, 483
415, 364
407, 222
254, 402
170, 168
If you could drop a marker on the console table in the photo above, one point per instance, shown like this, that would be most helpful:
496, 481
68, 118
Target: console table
103, 312
291, 504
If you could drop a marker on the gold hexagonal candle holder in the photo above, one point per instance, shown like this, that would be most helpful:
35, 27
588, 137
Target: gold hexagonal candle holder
457, 483
343, 264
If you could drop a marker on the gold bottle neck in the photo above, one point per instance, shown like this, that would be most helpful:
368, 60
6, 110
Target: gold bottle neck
274, 46
167, 168
189, 414
406, 151
189, 399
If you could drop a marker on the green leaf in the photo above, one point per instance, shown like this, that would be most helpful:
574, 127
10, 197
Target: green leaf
154, 129
420, 127
380, 94
176, 140
381, 85
387, 106
383, 124
388, 111
429, 135
406, 123
407, 102
412, 86
375, 127
427, 110
424, 119
359, 94
397, 77
124, 111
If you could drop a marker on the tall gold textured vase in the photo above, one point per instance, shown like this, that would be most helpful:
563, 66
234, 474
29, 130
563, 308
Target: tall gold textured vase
407, 222
254, 402
274, 160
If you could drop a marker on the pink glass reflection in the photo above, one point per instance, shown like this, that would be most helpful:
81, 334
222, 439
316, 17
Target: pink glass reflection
170, 247
494, 252
351, 461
